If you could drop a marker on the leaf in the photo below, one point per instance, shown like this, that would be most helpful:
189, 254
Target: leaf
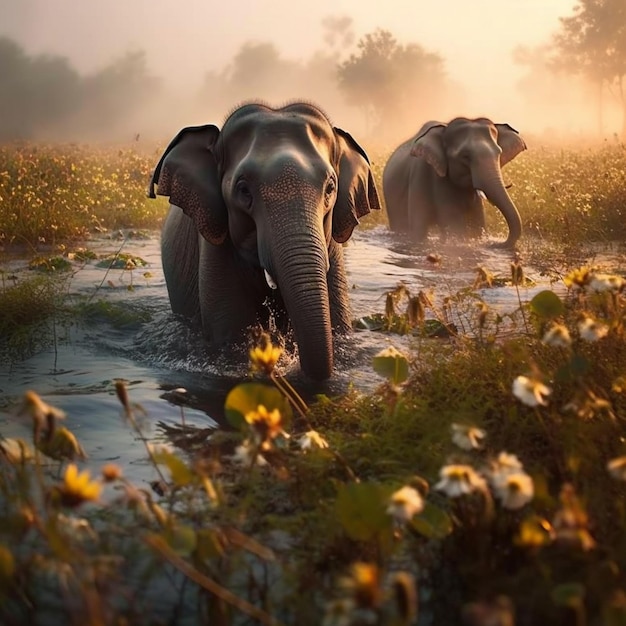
568, 594
432, 522
248, 396
181, 474
361, 510
392, 365
547, 305
182, 539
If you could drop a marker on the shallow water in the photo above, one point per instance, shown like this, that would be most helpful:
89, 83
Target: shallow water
160, 353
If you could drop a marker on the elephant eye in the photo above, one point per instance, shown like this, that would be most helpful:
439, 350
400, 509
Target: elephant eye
331, 186
243, 189
243, 194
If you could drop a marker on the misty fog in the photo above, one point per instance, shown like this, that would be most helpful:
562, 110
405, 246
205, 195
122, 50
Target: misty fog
138, 70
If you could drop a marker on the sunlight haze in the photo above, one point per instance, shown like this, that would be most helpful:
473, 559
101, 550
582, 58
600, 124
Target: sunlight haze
185, 39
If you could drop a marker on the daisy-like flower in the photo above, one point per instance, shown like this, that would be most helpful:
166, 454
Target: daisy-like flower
592, 330
606, 282
266, 425
404, 504
617, 467
312, 439
264, 358
246, 454
459, 480
506, 463
558, 336
530, 391
467, 437
77, 487
514, 490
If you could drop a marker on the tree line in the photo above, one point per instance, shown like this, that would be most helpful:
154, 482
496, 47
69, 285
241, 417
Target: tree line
377, 78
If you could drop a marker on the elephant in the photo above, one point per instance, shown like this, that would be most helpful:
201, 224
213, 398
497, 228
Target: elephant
258, 214
440, 176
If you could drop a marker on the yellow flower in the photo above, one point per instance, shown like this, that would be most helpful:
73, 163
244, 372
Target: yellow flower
530, 391
266, 425
264, 359
364, 585
62, 445
77, 487
579, 277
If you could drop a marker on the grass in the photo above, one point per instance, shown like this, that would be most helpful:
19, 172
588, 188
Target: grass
344, 512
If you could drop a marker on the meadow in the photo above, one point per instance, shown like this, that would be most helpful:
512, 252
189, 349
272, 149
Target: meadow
481, 484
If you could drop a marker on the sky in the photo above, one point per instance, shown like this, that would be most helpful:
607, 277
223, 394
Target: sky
184, 39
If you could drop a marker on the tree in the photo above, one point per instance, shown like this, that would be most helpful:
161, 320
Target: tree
592, 42
392, 82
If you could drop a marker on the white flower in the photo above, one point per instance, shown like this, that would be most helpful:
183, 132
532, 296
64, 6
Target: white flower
558, 336
514, 490
467, 437
530, 391
592, 330
458, 480
405, 503
617, 467
506, 464
606, 282
245, 454
312, 439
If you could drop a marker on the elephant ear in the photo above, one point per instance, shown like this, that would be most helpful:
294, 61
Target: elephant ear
187, 173
356, 192
510, 141
428, 145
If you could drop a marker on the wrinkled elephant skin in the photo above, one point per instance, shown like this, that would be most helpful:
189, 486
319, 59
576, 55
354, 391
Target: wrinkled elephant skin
258, 212
435, 178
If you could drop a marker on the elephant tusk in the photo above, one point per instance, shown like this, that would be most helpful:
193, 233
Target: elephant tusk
481, 194
270, 281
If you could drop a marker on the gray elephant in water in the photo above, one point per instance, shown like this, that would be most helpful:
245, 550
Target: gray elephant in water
435, 178
258, 213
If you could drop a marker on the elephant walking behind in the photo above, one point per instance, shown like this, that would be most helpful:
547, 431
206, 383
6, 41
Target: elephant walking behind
258, 213
435, 178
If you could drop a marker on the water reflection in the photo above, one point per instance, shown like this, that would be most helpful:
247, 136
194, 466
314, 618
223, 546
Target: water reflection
144, 344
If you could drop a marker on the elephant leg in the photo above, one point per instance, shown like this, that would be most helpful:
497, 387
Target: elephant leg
422, 210
337, 280
232, 293
179, 256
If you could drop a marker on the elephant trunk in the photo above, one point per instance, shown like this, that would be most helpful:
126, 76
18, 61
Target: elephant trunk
300, 269
489, 180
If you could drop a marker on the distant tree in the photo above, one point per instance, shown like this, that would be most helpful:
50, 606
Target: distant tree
38, 93
392, 82
116, 93
592, 42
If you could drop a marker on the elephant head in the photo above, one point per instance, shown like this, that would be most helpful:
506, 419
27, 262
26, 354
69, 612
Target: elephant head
471, 153
278, 186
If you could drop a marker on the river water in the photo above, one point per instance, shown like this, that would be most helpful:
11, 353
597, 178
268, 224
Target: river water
156, 353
